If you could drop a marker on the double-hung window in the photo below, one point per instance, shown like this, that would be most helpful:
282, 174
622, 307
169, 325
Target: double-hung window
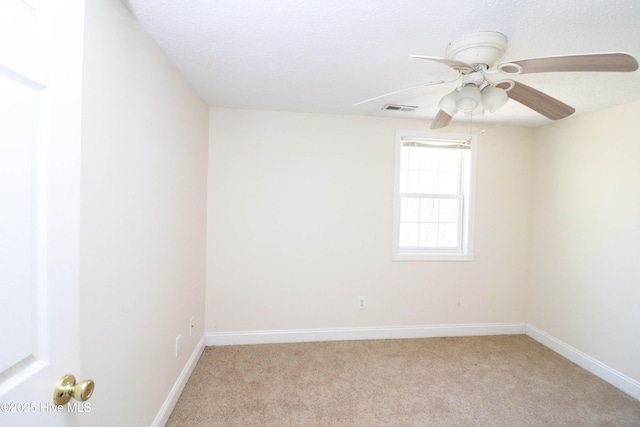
433, 203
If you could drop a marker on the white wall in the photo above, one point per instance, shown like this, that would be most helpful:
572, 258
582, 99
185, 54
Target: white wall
300, 225
143, 218
585, 278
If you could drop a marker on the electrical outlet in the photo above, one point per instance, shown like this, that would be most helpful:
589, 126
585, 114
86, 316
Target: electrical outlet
191, 326
178, 338
362, 303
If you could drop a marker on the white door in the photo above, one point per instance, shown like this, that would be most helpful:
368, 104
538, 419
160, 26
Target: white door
40, 93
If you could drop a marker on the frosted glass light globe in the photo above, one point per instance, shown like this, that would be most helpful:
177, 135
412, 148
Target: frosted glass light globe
468, 98
493, 98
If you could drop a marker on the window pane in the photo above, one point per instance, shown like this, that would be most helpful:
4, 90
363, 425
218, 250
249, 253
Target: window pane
403, 181
409, 209
408, 235
428, 182
448, 183
429, 210
413, 181
414, 157
448, 210
449, 160
448, 235
428, 159
428, 235
404, 158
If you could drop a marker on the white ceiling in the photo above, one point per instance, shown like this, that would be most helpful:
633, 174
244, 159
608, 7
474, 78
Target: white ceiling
323, 56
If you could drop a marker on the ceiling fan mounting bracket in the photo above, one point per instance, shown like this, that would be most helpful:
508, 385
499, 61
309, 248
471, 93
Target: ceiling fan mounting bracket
485, 47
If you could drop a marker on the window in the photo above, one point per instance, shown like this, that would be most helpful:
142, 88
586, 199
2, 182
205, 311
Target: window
433, 203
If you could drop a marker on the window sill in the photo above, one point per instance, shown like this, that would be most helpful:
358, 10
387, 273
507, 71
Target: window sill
432, 257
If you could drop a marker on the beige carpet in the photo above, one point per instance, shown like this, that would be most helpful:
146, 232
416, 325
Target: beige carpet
470, 381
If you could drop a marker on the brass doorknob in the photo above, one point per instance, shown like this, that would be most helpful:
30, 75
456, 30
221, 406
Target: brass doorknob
67, 388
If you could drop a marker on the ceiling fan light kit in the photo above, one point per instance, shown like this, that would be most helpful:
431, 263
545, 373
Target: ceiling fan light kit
474, 58
468, 98
449, 103
493, 98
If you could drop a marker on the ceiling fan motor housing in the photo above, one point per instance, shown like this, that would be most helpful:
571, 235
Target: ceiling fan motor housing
485, 47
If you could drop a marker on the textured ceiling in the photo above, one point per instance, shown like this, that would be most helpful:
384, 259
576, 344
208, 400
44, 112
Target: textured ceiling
325, 55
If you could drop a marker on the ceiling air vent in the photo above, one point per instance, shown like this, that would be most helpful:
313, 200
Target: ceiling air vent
397, 107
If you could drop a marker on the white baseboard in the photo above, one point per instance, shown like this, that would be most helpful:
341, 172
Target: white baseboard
346, 334
170, 402
613, 377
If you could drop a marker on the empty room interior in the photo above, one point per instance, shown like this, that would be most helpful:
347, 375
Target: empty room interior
246, 180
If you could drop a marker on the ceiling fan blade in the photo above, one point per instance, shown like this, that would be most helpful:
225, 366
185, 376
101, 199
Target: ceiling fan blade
612, 62
544, 104
435, 82
456, 65
441, 120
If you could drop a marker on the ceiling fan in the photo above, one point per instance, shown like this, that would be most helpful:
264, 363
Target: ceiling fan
484, 86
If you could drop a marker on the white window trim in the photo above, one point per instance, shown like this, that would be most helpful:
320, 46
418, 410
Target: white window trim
465, 253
